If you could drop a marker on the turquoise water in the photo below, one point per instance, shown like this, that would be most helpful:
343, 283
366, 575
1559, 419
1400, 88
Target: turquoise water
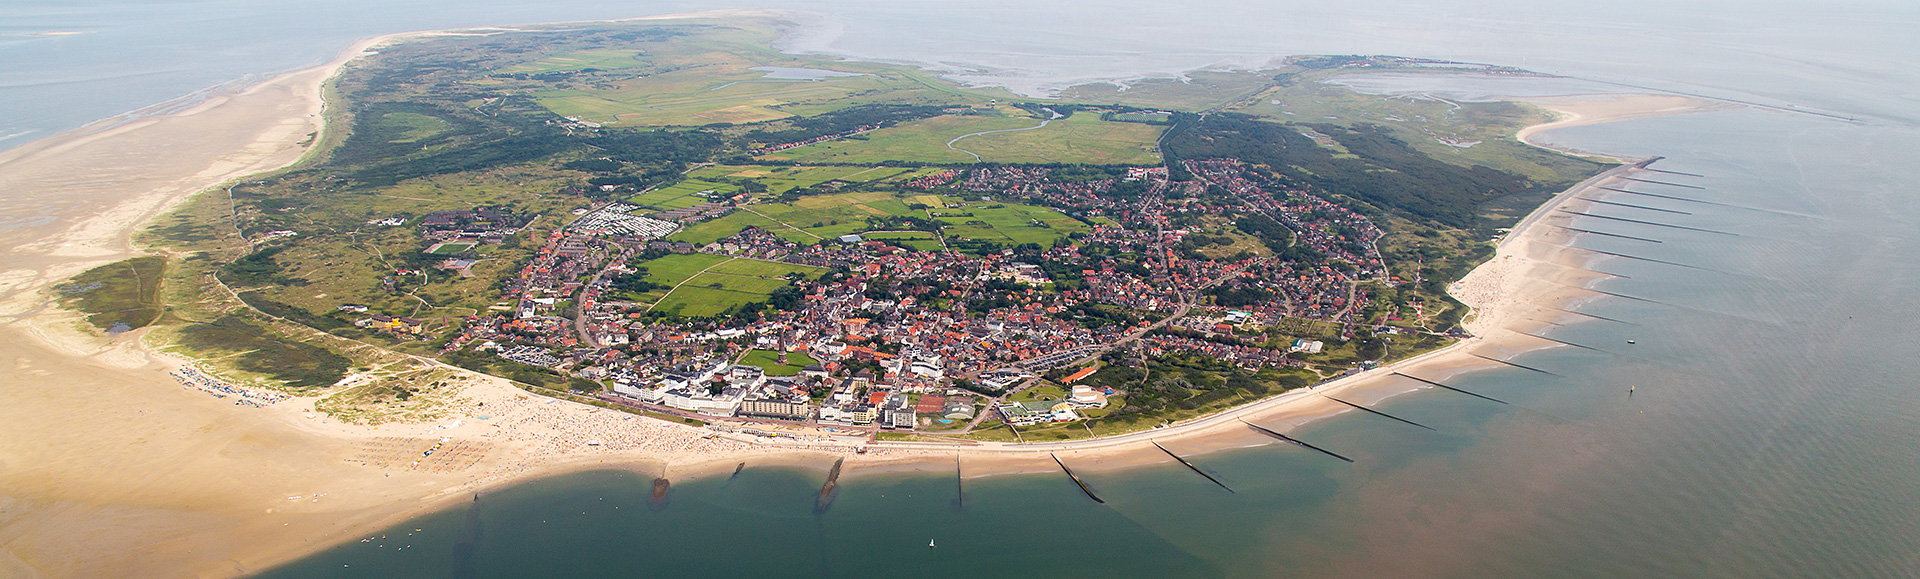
1770, 433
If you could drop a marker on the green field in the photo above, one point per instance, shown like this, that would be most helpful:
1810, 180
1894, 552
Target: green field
831, 216
410, 127
713, 230
685, 194
1006, 223
804, 221
783, 179
706, 285
711, 294
916, 240
767, 269
1081, 138
673, 269
599, 58
923, 140
769, 361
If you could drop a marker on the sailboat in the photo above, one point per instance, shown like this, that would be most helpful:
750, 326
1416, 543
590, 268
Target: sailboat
929, 543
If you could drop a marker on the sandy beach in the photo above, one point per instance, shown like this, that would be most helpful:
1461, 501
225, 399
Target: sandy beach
110, 468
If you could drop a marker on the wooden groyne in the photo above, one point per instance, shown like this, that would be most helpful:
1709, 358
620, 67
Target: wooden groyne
1520, 366
1190, 465
1076, 479
1596, 317
1439, 385
1560, 341
1302, 443
658, 499
1645, 222
959, 485
1376, 412
1673, 172
1650, 181
1619, 204
1603, 233
1614, 294
1636, 257
1646, 194
829, 490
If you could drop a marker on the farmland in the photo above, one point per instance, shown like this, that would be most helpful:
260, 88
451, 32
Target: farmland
923, 140
1081, 138
685, 194
1006, 223
783, 179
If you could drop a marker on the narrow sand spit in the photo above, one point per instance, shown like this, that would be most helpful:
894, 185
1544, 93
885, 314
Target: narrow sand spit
109, 468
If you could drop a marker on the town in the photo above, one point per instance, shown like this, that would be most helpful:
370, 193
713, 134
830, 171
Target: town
880, 331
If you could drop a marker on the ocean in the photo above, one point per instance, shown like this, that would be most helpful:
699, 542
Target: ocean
1769, 432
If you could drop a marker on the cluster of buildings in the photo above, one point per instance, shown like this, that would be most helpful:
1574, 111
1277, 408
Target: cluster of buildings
480, 226
617, 219
898, 338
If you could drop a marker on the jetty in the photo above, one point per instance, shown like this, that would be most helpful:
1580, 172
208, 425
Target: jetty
1636, 257
1646, 194
1437, 384
1520, 366
1560, 341
1619, 204
1376, 412
1076, 479
658, 499
1302, 443
959, 485
1596, 317
829, 490
1654, 223
1579, 230
1664, 183
1673, 172
1190, 465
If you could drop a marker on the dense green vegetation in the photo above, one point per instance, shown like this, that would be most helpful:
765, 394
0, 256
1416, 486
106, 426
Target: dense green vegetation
253, 348
1380, 169
118, 296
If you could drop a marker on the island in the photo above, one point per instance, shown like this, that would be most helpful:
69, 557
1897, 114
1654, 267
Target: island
662, 244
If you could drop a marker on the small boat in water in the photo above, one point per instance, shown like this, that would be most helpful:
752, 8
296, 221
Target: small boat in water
929, 543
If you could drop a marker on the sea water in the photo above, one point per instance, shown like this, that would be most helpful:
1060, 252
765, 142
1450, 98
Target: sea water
1769, 433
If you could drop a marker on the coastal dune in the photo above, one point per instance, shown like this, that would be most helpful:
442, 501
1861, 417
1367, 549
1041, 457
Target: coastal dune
109, 468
